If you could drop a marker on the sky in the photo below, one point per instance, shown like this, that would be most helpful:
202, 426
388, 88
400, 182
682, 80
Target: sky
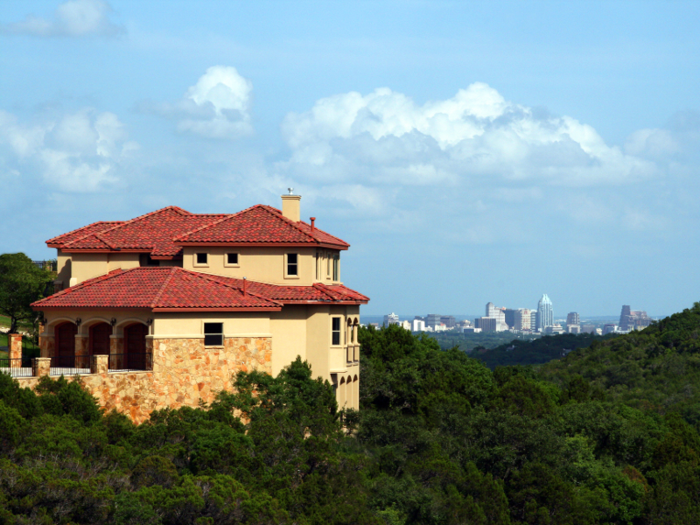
468, 151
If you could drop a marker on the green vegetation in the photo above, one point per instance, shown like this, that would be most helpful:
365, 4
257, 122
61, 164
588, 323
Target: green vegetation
607, 435
479, 340
21, 283
536, 351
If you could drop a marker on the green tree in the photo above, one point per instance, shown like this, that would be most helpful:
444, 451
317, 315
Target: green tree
21, 283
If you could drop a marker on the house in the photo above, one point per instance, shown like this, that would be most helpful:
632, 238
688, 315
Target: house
163, 309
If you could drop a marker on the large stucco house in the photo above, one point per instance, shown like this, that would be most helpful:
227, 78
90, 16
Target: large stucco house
162, 309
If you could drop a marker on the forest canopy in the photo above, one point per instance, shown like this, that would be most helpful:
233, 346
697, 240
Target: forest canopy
608, 434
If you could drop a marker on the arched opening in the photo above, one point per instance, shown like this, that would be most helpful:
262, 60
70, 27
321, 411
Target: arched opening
65, 345
135, 346
99, 339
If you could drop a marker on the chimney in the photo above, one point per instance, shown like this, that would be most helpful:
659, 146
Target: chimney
290, 206
245, 287
313, 223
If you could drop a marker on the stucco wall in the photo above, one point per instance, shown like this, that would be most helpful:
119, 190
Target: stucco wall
265, 265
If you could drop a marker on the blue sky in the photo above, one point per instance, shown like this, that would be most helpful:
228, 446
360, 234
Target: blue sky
468, 151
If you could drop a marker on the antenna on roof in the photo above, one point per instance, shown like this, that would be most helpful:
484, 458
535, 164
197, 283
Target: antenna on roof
291, 190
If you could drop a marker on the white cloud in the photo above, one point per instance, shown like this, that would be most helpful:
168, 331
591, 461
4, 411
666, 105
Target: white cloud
78, 152
75, 18
475, 134
217, 106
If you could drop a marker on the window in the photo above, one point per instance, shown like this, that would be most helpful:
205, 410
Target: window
200, 258
232, 259
336, 267
292, 264
335, 331
213, 334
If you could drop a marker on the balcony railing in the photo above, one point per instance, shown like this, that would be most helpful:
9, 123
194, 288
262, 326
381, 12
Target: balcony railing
21, 367
130, 362
70, 365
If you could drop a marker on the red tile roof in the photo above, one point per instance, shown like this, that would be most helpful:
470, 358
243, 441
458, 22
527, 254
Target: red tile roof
95, 227
176, 289
259, 225
162, 233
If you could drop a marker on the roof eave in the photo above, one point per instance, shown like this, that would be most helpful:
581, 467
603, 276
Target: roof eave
268, 244
219, 309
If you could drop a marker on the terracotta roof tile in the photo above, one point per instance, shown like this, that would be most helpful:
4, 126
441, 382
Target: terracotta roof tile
259, 224
176, 288
95, 227
156, 288
153, 232
162, 232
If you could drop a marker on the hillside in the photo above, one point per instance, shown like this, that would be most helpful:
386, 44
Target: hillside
536, 351
607, 435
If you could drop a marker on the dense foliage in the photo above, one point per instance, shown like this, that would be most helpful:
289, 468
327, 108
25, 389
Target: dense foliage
609, 434
537, 351
468, 342
21, 283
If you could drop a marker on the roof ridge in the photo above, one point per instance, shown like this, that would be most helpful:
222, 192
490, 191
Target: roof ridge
53, 239
217, 221
288, 221
162, 288
323, 288
100, 237
87, 282
217, 279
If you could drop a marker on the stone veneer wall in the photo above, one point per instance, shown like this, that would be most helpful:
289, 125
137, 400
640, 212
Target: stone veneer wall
184, 373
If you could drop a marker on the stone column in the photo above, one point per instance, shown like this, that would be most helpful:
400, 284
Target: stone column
82, 353
47, 343
99, 364
14, 343
41, 366
116, 347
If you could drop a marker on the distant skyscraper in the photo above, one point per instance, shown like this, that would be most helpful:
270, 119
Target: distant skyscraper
433, 320
390, 319
573, 318
631, 320
545, 314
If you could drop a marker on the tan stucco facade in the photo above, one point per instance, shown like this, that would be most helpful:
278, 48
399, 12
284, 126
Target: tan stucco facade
322, 333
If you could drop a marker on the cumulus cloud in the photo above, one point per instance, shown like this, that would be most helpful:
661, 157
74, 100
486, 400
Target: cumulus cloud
78, 152
217, 106
477, 133
75, 18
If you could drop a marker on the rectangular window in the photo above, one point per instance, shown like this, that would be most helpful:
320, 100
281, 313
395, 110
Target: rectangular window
335, 331
213, 334
292, 264
336, 267
232, 259
201, 258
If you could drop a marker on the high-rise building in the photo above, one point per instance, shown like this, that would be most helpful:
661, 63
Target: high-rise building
497, 313
522, 319
449, 321
545, 314
392, 318
573, 318
486, 324
533, 319
418, 325
433, 320
510, 317
633, 320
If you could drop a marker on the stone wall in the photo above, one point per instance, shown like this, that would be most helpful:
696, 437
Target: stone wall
184, 373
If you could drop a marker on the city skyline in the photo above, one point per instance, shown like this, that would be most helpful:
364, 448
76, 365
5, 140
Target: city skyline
467, 151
